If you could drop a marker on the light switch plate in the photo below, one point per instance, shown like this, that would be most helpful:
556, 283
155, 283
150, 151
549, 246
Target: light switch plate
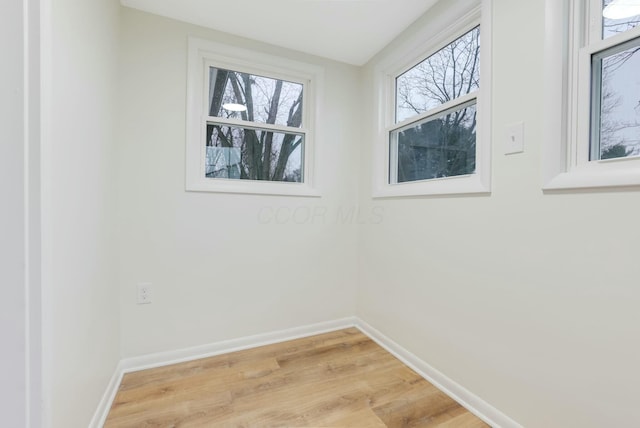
514, 138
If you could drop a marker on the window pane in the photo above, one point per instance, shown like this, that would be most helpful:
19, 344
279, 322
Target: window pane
446, 75
253, 154
254, 98
616, 103
442, 146
611, 27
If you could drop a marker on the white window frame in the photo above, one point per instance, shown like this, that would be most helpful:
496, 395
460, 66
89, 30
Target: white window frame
567, 100
459, 18
203, 54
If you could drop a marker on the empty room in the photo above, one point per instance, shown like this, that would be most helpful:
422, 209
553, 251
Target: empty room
320, 213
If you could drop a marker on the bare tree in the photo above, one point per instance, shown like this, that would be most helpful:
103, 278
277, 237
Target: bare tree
264, 154
444, 146
614, 26
619, 135
446, 75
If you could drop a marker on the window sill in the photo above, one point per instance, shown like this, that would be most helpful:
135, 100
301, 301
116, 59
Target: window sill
460, 186
590, 179
250, 187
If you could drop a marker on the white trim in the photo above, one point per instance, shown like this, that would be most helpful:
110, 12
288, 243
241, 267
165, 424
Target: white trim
101, 413
26, 194
585, 179
470, 401
556, 64
463, 396
46, 217
459, 18
585, 104
567, 69
27, 170
161, 359
203, 53
238, 123
33, 219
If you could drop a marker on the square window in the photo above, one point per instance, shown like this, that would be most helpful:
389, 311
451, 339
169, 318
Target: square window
270, 154
250, 121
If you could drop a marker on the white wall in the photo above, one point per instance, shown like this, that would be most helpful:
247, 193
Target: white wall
526, 299
13, 306
221, 266
529, 300
82, 295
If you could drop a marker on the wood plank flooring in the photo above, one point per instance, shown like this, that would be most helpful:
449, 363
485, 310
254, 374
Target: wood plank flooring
338, 379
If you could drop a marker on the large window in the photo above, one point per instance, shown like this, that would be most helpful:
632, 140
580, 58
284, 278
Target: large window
249, 122
593, 69
435, 138
438, 98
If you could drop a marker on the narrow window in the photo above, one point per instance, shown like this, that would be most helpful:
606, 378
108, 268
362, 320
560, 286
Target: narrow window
615, 85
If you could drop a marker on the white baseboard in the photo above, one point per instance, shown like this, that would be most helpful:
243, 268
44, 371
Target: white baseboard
160, 359
101, 413
466, 398
189, 354
473, 403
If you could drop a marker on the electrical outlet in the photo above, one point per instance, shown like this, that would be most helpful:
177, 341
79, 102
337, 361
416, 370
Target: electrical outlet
144, 293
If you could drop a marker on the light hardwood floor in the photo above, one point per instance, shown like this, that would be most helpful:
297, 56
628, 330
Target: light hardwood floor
338, 379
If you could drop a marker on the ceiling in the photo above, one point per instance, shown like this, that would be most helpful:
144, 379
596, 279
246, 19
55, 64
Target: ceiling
350, 31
